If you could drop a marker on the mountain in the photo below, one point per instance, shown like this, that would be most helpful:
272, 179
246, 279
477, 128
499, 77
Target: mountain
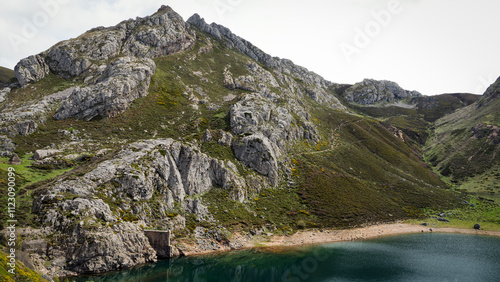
158, 123
464, 145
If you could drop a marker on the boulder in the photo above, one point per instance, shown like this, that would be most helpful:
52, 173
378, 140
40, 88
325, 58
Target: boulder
442, 219
7, 146
42, 154
225, 139
207, 136
3, 93
26, 128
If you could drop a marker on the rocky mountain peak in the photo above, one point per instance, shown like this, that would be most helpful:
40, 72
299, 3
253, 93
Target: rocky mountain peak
371, 91
161, 34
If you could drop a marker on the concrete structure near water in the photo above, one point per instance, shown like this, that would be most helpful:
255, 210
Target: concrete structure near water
160, 241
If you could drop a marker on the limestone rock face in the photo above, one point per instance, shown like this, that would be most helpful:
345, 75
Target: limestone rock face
161, 34
122, 246
145, 180
256, 152
121, 83
3, 93
163, 166
31, 69
371, 91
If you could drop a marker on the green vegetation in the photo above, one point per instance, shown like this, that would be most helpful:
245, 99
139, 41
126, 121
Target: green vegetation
22, 273
279, 207
5, 75
370, 176
33, 174
475, 210
464, 147
415, 122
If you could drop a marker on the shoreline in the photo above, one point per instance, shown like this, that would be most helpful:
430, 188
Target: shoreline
314, 237
310, 237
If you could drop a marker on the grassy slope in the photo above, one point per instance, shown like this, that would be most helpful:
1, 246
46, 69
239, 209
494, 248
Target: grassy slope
416, 121
5, 75
469, 158
363, 173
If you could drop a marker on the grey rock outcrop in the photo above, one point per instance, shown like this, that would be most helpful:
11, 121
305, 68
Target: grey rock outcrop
371, 91
256, 152
31, 69
7, 146
145, 180
24, 120
3, 93
26, 127
207, 136
42, 154
169, 168
226, 138
161, 34
228, 79
257, 114
121, 83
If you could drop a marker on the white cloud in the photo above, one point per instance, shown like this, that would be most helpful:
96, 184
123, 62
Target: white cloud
431, 46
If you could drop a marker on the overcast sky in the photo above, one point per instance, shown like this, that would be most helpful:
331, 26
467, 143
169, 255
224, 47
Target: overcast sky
432, 46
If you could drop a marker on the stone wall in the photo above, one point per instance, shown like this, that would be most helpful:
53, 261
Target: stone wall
160, 241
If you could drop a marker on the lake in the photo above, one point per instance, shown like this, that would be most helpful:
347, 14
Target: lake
412, 257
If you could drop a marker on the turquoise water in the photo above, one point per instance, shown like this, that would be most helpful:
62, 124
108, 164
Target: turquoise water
414, 257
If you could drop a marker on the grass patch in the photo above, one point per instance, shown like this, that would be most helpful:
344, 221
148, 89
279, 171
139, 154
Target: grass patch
279, 207
29, 173
483, 212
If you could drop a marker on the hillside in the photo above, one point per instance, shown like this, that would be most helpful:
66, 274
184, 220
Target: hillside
5, 75
464, 145
411, 113
158, 123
